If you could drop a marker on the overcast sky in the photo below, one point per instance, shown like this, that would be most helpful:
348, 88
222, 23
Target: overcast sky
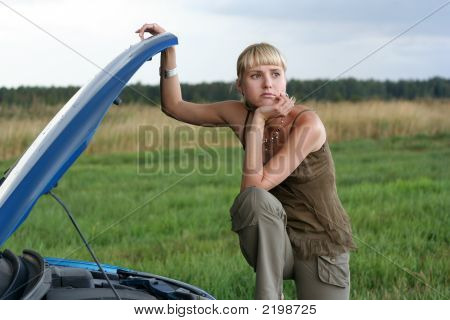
319, 38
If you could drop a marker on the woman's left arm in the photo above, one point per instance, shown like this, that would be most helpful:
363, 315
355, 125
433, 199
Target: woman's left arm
306, 135
252, 170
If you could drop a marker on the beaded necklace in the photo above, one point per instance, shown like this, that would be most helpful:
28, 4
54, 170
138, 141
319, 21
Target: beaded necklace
274, 137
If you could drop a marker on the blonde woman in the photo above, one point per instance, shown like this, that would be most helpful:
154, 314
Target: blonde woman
290, 222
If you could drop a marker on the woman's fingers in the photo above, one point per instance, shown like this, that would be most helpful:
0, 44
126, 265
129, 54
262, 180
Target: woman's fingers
281, 108
142, 30
290, 104
282, 99
284, 104
151, 28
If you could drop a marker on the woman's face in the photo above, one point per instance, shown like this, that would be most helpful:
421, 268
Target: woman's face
261, 85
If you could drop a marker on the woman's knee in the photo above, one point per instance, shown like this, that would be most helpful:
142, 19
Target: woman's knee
253, 203
256, 198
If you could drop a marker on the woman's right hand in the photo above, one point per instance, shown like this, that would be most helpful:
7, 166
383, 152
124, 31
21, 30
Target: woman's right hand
281, 108
152, 28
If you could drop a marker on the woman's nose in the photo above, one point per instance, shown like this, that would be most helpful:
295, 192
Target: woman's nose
267, 82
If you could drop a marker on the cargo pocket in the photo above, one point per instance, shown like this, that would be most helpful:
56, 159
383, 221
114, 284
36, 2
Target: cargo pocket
334, 270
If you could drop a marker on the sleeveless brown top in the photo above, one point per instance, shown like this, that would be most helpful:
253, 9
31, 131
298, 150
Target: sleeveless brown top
317, 223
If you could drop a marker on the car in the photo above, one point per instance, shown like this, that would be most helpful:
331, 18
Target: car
37, 172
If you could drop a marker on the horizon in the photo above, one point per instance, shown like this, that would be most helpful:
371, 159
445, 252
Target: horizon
231, 82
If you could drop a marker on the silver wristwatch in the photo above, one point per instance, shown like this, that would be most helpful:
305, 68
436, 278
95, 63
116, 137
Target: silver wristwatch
168, 73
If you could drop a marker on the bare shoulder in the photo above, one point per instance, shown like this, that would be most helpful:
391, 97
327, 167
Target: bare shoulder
305, 117
302, 114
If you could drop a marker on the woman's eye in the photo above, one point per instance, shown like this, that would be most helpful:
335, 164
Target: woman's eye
254, 76
276, 74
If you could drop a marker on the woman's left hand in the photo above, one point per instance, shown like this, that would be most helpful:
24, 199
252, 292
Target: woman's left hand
152, 28
279, 109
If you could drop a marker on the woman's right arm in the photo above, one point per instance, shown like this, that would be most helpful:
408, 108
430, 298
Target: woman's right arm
172, 103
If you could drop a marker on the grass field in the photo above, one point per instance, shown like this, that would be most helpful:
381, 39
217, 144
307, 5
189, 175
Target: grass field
175, 222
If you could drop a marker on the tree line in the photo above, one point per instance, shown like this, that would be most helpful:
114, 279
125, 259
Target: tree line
348, 89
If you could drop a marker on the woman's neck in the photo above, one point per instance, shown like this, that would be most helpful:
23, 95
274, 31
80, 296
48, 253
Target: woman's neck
249, 106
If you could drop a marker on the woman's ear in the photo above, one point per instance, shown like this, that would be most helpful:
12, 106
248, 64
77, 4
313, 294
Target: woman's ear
239, 87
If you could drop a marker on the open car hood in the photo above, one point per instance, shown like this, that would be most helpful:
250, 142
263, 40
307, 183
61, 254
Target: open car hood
68, 134
31, 277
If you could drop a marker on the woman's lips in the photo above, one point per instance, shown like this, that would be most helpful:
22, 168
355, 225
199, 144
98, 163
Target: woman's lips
268, 95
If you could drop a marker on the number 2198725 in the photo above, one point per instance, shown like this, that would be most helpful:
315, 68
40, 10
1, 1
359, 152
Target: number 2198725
289, 309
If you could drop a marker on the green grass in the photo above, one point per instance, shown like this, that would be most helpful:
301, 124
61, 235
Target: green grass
177, 223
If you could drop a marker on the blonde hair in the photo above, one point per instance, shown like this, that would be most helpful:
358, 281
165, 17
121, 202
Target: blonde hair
259, 54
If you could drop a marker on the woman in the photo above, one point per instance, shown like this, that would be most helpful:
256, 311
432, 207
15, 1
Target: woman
289, 219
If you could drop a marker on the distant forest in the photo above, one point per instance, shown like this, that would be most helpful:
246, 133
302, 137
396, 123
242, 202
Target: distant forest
324, 90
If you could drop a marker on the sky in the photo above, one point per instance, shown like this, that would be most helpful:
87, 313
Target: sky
60, 42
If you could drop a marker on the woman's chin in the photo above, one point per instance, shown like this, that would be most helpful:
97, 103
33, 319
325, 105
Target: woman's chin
265, 102
262, 103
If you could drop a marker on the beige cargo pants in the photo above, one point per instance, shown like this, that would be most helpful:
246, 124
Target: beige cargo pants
259, 219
